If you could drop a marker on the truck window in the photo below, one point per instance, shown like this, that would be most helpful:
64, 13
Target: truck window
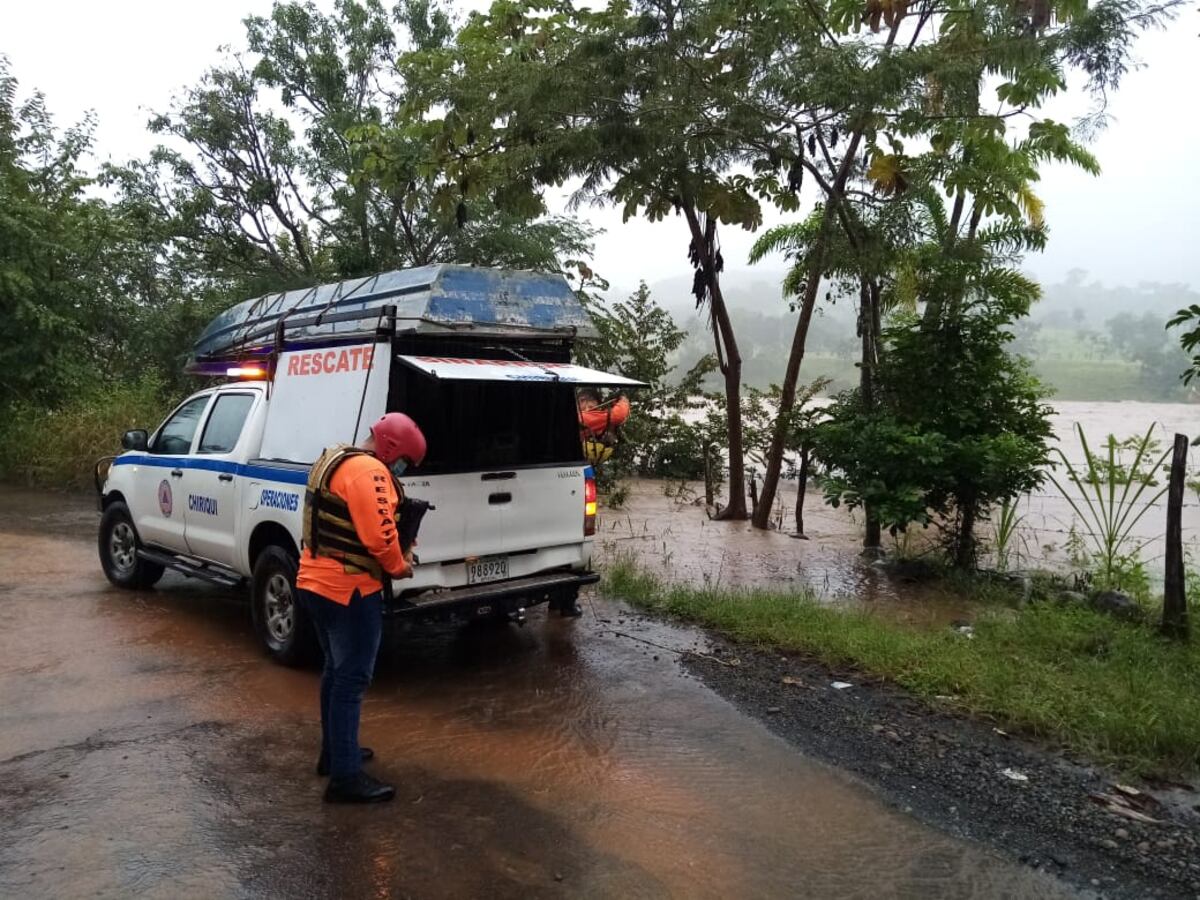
225, 422
474, 426
175, 435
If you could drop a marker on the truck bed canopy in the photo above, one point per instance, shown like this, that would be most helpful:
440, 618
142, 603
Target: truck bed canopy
429, 299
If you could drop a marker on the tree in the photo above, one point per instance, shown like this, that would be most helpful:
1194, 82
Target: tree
922, 84
959, 427
71, 265
273, 187
653, 107
1142, 339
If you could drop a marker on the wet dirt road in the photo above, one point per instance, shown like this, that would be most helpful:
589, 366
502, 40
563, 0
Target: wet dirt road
147, 747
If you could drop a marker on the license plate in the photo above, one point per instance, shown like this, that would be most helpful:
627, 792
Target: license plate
490, 568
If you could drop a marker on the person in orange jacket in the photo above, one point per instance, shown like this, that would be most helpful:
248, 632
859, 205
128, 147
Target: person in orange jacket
596, 419
351, 544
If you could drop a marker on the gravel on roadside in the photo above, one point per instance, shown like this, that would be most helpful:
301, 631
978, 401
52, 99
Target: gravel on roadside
1081, 822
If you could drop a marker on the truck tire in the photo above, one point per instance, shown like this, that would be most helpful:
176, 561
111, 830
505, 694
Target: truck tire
281, 624
119, 543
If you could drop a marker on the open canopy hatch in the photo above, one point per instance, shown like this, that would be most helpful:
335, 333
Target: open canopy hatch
450, 369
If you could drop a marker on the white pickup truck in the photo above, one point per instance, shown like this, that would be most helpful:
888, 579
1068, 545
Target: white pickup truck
217, 490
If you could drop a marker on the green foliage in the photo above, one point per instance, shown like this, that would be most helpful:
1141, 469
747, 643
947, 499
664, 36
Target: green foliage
107, 277
58, 447
1161, 362
262, 203
1110, 498
1110, 690
958, 427
1008, 520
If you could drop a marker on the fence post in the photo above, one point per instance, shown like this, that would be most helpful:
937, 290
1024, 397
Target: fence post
1174, 615
801, 490
708, 476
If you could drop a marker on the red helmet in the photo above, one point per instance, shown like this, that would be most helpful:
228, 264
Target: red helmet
396, 435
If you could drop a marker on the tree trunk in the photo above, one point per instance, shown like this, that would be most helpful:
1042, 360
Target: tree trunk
728, 357
732, 370
787, 396
964, 551
816, 265
1175, 611
868, 297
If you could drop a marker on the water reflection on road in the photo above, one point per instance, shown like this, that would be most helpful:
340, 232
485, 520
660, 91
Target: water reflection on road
147, 746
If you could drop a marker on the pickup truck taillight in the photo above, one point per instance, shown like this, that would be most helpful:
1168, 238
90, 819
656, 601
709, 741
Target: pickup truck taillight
589, 503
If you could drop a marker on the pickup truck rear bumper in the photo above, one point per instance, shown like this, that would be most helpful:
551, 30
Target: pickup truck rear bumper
497, 599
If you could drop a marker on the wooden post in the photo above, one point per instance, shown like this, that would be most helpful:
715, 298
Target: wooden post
708, 476
1174, 615
801, 490
753, 493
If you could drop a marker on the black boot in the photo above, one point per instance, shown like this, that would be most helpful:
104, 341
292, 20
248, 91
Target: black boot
360, 788
323, 762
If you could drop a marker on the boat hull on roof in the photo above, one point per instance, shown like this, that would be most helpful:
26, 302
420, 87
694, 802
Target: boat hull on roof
429, 299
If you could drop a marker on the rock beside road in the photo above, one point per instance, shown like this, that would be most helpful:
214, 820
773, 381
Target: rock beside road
1118, 605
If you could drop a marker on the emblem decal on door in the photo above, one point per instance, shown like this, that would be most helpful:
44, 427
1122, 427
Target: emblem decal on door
165, 503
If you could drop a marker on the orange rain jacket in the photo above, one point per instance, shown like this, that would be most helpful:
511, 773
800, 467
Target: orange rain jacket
594, 422
366, 485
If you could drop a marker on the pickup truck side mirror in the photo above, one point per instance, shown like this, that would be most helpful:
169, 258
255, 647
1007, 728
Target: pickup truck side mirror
135, 440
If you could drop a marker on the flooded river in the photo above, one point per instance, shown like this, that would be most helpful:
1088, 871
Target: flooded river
666, 529
148, 747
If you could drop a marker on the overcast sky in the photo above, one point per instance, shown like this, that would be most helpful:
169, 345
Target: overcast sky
1136, 222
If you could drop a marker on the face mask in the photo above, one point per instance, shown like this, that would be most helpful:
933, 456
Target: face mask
398, 467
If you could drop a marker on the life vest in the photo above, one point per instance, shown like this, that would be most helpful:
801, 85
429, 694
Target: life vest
598, 448
328, 528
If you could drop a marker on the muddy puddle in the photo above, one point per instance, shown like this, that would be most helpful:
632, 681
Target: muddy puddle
148, 747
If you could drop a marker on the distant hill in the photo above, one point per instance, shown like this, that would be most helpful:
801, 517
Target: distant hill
1067, 335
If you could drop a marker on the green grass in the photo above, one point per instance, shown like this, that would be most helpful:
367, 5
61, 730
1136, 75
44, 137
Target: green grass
1071, 379
1082, 379
1114, 692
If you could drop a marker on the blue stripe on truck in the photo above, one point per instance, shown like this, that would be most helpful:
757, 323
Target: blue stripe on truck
266, 473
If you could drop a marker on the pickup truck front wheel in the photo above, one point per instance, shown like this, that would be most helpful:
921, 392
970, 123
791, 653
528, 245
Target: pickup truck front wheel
119, 545
281, 624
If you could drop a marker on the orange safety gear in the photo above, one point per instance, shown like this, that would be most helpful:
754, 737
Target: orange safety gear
595, 422
396, 436
350, 487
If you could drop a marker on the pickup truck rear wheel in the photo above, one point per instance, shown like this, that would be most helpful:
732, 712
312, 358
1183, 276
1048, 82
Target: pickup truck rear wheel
119, 545
281, 624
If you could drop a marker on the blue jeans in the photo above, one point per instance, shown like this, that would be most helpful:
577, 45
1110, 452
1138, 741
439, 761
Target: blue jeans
349, 638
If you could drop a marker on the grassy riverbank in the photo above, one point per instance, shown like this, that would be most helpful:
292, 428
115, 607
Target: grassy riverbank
1114, 692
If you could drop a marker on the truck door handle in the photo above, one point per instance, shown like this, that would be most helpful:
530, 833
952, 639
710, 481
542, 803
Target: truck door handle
224, 476
177, 473
497, 499
498, 476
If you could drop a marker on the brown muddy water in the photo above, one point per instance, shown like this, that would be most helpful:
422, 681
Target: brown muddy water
666, 529
148, 747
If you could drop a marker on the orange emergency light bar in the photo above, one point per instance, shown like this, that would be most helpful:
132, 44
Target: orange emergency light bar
246, 372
